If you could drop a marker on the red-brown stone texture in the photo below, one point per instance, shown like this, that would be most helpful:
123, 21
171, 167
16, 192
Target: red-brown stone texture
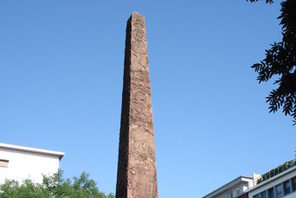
136, 174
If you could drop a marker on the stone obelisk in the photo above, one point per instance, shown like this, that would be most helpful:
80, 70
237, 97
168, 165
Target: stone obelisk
136, 174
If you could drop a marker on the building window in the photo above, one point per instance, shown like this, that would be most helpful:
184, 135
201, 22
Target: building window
231, 195
238, 192
294, 183
4, 163
287, 187
270, 193
263, 194
279, 191
256, 196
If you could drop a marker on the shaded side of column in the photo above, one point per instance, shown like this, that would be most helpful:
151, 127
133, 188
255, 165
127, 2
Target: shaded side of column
122, 167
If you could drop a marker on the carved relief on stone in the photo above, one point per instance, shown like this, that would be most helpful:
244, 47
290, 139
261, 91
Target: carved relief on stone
138, 46
139, 127
141, 79
139, 24
142, 152
140, 63
142, 187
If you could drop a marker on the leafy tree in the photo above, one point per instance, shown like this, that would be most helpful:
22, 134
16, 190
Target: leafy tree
267, 1
280, 63
53, 187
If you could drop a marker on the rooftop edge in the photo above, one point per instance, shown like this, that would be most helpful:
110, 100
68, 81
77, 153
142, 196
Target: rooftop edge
33, 150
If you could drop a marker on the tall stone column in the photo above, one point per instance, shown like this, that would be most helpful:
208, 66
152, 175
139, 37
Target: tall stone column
136, 174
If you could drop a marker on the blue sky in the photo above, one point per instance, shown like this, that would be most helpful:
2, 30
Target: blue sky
61, 71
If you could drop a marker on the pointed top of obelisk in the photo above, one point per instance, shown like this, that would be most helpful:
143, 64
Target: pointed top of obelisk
137, 15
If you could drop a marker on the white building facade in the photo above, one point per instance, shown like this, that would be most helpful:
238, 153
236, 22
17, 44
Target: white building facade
232, 189
20, 163
279, 182
282, 185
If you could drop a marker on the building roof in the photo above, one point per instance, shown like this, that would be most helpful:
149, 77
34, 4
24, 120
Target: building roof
228, 186
32, 150
272, 179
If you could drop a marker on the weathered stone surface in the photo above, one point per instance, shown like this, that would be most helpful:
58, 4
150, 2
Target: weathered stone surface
136, 175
